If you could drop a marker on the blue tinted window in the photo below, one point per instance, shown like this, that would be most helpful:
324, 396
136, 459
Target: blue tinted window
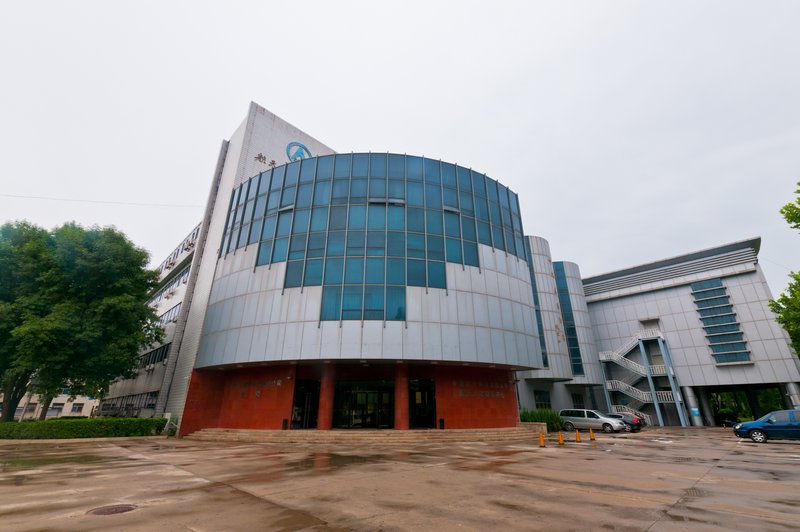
358, 217
471, 254
468, 229
268, 231
319, 219
377, 217
432, 172
255, 232
284, 223
377, 188
297, 248
453, 250
397, 166
243, 235
484, 234
301, 221
280, 248
396, 271
373, 302
356, 242
436, 275
377, 165
273, 201
338, 218
325, 167
375, 271
294, 274
376, 244
354, 271
416, 245
416, 220
263, 186
497, 237
464, 179
342, 168
261, 206
336, 243
304, 196
358, 190
351, 303
465, 200
452, 225
277, 178
414, 194
416, 272
395, 303
397, 189
333, 271
322, 193
331, 303
491, 190
396, 217
450, 197
316, 245
395, 244
435, 248
433, 196
341, 191
360, 165
449, 175
307, 170
414, 168
264, 252
288, 196
433, 221
292, 173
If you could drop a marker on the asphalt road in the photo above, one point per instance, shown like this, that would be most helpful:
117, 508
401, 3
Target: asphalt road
659, 479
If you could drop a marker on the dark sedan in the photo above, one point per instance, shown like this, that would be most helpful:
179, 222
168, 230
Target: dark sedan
632, 423
778, 425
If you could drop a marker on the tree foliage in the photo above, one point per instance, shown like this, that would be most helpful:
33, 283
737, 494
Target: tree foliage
787, 305
73, 310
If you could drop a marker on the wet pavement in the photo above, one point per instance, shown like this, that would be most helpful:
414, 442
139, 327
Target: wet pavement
659, 479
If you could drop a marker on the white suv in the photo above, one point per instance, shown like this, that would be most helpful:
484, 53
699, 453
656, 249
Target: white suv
578, 418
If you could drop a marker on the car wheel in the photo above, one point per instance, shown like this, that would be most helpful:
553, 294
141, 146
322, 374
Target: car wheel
569, 427
628, 428
758, 436
607, 428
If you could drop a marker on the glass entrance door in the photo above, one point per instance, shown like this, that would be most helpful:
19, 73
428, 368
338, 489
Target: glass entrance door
364, 405
306, 405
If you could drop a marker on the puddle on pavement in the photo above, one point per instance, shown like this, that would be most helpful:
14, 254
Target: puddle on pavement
331, 462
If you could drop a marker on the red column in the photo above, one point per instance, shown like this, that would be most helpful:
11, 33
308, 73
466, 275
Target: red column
326, 388
401, 397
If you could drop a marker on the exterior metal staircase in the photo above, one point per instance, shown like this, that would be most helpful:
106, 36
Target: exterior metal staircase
640, 395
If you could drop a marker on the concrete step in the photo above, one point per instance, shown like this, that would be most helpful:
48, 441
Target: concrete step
368, 436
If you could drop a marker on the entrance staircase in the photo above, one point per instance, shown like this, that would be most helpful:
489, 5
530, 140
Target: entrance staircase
524, 432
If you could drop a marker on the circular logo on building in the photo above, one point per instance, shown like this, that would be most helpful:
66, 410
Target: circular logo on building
296, 151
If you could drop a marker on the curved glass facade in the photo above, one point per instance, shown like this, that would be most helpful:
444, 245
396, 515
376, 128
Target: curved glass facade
366, 225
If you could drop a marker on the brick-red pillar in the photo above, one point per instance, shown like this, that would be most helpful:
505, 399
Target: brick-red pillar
326, 388
401, 397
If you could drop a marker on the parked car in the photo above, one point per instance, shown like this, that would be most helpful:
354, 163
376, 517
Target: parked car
778, 425
578, 418
632, 423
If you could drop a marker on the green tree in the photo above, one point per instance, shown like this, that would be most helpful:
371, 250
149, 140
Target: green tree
73, 310
787, 305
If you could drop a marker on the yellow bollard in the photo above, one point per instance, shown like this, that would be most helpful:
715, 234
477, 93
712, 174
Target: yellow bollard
541, 440
560, 438
591, 434
577, 436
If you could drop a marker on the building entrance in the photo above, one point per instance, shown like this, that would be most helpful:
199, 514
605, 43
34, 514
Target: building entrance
422, 404
364, 405
305, 405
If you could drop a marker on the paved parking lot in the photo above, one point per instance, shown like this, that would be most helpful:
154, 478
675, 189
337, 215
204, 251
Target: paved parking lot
659, 479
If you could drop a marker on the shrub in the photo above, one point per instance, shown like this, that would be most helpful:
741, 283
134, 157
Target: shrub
543, 415
104, 427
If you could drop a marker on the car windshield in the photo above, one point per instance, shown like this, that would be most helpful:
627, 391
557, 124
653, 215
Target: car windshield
764, 418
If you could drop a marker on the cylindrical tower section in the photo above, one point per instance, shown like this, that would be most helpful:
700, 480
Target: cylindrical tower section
362, 262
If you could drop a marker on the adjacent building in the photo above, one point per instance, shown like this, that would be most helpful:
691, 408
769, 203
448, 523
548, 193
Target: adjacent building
378, 290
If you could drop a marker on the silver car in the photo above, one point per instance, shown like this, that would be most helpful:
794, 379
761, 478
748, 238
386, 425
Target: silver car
578, 418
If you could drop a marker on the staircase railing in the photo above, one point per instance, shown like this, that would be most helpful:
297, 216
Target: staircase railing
640, 395
623, 409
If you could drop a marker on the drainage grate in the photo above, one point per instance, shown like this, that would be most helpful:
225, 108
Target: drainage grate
695, 492
112, 509
683, 459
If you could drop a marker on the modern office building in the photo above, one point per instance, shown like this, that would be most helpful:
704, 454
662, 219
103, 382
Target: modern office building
377, 290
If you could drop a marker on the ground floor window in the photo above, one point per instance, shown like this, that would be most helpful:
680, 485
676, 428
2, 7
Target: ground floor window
578, 401
542, 399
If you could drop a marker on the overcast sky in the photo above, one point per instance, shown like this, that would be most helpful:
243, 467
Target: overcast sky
632, 131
